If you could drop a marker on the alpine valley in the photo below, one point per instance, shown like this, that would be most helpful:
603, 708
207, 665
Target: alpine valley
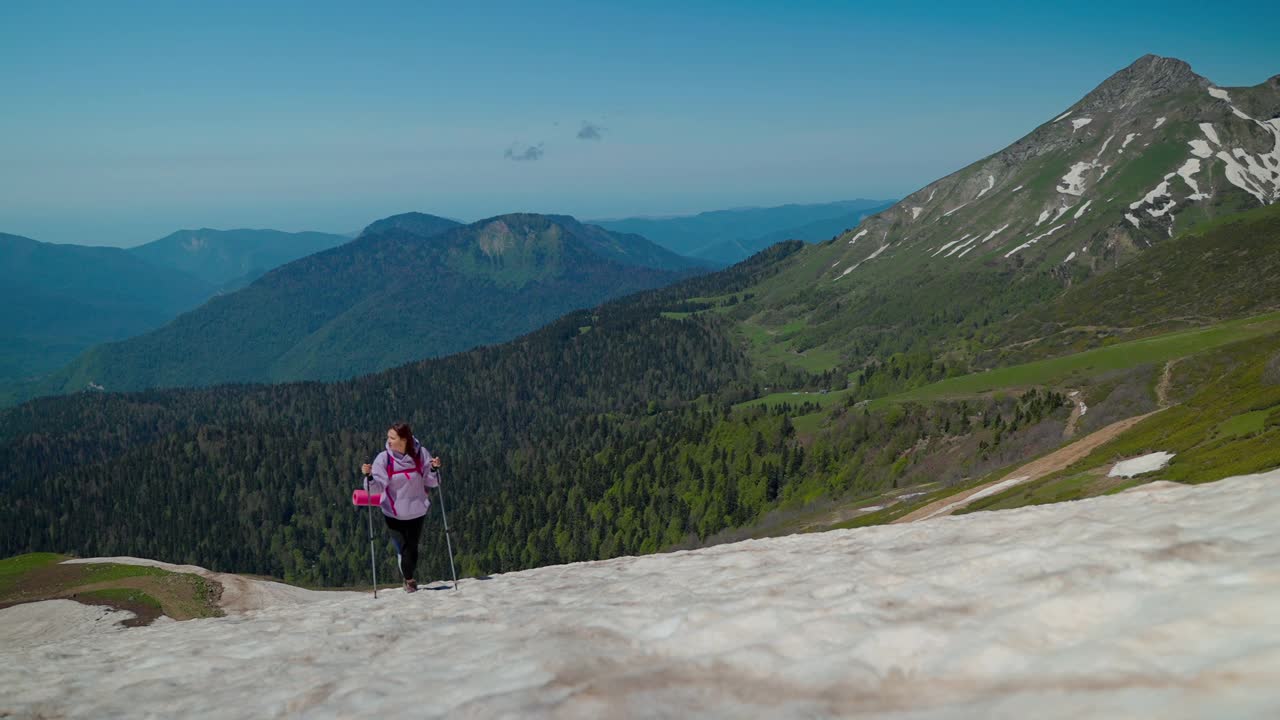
1089, 309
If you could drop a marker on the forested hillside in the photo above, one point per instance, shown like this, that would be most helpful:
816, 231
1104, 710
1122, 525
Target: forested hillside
389, 297
60, 299
257, 478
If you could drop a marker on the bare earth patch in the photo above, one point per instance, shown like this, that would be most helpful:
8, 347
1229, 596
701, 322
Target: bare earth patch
180, 596
1033, 470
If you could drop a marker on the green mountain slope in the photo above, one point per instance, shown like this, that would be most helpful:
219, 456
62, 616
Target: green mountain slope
60, 299
381, 300
1229, 267
1155, 142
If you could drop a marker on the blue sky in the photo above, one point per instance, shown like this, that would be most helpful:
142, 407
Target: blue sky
125, 121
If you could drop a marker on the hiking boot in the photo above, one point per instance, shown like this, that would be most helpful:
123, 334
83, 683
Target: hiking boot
410, 586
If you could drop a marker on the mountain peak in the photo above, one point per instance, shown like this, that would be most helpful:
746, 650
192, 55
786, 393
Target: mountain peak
415, 223
1149, 76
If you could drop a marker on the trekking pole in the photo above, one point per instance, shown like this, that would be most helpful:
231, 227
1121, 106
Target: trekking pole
448, 543
373, 564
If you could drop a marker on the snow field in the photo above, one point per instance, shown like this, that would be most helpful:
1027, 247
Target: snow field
1156, 602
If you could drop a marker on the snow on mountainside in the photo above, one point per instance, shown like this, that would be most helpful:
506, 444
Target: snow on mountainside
1154, 150
1155, 603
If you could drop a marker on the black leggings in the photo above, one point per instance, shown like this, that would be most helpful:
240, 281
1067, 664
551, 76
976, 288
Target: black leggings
405, 535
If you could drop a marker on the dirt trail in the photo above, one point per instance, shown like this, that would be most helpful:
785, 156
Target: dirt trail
1078, 410
1166, 379
1033, 470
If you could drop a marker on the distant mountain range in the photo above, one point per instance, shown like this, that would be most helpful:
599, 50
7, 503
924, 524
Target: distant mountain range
66, 298
410, 287
231, 259
60, 299
724, 237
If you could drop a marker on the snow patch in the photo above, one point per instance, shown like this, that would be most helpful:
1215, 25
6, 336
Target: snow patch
1158, 191
1074, 180
1128, 139
1189, 168
1200, 148
947, 245
1131, 218
1139, 465
1082, 210
963, 246
1159, 122
1237, 175
1016, 189
984, 493
915, 212
945, 214
1062, 116
1104, 145
993, 233
991, 182
1033, 240
1220, 94
1079, 123
1061, 211
1044, 216
1075, 394
1157, 212
861, 232
1070, 257
1210, 132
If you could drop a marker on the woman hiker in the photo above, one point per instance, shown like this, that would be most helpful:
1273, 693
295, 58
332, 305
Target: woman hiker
402, 473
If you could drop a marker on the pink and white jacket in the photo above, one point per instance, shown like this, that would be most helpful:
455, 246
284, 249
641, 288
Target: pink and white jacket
403, 481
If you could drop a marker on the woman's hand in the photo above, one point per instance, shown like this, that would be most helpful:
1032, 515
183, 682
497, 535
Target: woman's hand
435, 463
367, 469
